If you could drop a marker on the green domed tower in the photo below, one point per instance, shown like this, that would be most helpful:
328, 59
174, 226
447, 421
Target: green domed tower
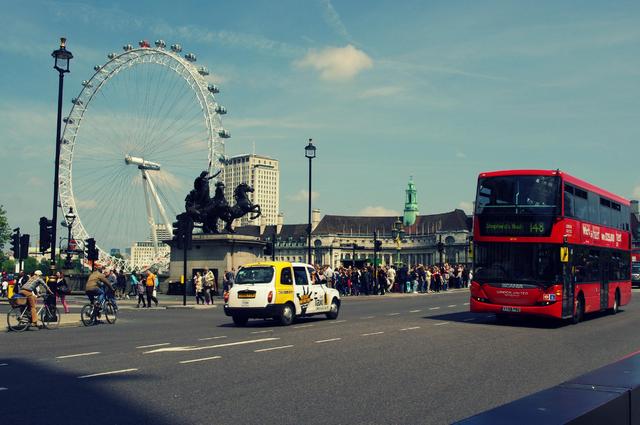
410, 204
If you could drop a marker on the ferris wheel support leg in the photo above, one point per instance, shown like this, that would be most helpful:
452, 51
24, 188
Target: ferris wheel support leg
151, 221
163, 212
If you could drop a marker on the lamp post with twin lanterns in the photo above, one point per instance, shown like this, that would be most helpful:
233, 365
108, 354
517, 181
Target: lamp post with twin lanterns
62, 57
397, 232
309, 152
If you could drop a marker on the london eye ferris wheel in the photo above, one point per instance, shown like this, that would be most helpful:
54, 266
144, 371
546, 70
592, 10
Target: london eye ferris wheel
143, 126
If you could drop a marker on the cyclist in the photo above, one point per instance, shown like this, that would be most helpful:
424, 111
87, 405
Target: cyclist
29, 290
95, 282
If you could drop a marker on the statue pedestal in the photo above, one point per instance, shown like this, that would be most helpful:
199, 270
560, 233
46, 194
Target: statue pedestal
215, 252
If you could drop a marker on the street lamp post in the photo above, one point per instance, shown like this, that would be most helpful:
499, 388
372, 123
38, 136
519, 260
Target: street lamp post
70, 218
397, 232
309, 152
62, 57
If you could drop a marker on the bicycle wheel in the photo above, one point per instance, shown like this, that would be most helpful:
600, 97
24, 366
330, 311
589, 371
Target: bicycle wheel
87, 316
17, 319
110, 312
50, 317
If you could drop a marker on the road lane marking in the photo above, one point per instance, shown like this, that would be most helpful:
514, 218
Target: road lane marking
411, 328
368, 317
4, 364
200, 360
208, 347
262, 332
3, 388
441, 323
272, 348
434, 308
154, 345
372, 333
78, 355
415, 311
113, 372
338, 321
303, 326
452, 305
210, 338
469, 320
466, 304
327, 340
393, 314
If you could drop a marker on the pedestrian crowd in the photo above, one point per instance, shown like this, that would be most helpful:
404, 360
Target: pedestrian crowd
366, 280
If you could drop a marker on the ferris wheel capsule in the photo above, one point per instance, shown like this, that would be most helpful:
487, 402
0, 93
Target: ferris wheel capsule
86, 83
213, 88
221, 110
144, 44
68, 120
161, 44
77, 101
111, 56
203, 71
224, 133
127, 47
190, 57
176, 48
97, 68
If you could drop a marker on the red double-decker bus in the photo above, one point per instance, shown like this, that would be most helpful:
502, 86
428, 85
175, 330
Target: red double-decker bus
549, 244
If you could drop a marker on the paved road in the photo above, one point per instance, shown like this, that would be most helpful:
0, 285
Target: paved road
405, 360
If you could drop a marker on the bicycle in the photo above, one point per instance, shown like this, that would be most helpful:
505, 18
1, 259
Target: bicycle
19, 317
90, 312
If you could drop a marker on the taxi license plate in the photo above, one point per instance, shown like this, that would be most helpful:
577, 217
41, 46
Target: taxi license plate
249, 295
511, 309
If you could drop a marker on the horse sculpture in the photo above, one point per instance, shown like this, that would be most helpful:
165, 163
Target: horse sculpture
218, 208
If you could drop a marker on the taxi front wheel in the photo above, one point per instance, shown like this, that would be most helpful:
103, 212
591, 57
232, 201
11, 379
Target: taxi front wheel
287, 316
333, 312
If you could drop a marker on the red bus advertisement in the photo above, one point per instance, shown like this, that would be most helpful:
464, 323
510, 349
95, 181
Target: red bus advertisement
549, 244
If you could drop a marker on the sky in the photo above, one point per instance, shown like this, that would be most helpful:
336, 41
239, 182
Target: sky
437, 90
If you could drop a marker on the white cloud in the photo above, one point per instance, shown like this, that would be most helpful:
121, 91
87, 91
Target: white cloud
336, 63
267, 122
332, 18
466, 206
303, 195
384, 91
378, 211
460, 154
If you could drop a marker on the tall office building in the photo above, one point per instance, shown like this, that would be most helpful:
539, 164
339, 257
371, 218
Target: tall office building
263, 174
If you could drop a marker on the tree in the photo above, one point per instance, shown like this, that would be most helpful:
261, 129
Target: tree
30, 265
8, 266
5, 229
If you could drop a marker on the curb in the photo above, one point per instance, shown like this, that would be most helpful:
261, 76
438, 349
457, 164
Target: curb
192, 307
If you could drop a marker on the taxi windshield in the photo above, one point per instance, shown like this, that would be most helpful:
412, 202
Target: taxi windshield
252, 275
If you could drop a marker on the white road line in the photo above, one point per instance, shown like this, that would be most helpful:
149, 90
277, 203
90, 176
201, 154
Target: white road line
393, 314
372, 333
154, 345
411, 328
3, 388
273, 348
303, 326
113, 372
200, 360
210, 338
441, 323
452, 305
4, 364
415, 311
338, 321
469, 320
465, 304
262, 332
327, 340
368, 317
78, 355
434, 308
207, 347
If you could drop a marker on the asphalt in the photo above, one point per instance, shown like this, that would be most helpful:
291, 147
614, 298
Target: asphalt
411, 359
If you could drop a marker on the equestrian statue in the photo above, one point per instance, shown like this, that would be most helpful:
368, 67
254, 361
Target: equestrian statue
206, 210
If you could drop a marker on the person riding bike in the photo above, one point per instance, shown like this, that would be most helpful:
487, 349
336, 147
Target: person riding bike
95, 282
29, 290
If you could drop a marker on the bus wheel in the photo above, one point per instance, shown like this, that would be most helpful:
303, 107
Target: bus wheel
578, 314
616, 303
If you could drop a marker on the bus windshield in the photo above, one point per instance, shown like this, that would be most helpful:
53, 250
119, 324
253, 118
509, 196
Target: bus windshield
532, 263
531, 195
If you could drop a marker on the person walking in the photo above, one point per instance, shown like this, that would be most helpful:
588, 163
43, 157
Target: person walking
199, 288
141, 289
150, 285
60, 287
208, 286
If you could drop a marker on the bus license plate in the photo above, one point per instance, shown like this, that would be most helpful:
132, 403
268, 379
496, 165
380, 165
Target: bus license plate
511, 309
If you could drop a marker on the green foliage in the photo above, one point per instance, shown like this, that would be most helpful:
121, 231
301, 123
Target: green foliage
29, 265
5, 229
7, 265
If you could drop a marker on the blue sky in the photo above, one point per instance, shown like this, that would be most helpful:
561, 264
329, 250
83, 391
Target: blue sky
440, 91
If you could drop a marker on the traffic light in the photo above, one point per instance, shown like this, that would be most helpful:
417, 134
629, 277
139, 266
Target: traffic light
268, 249
377, 246
46, 232
92, 251
15, 243
183, 231
24, 247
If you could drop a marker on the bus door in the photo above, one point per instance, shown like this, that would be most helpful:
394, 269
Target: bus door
568, 285
604, 284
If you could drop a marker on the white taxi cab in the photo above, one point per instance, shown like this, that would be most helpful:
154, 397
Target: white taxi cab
280, 290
